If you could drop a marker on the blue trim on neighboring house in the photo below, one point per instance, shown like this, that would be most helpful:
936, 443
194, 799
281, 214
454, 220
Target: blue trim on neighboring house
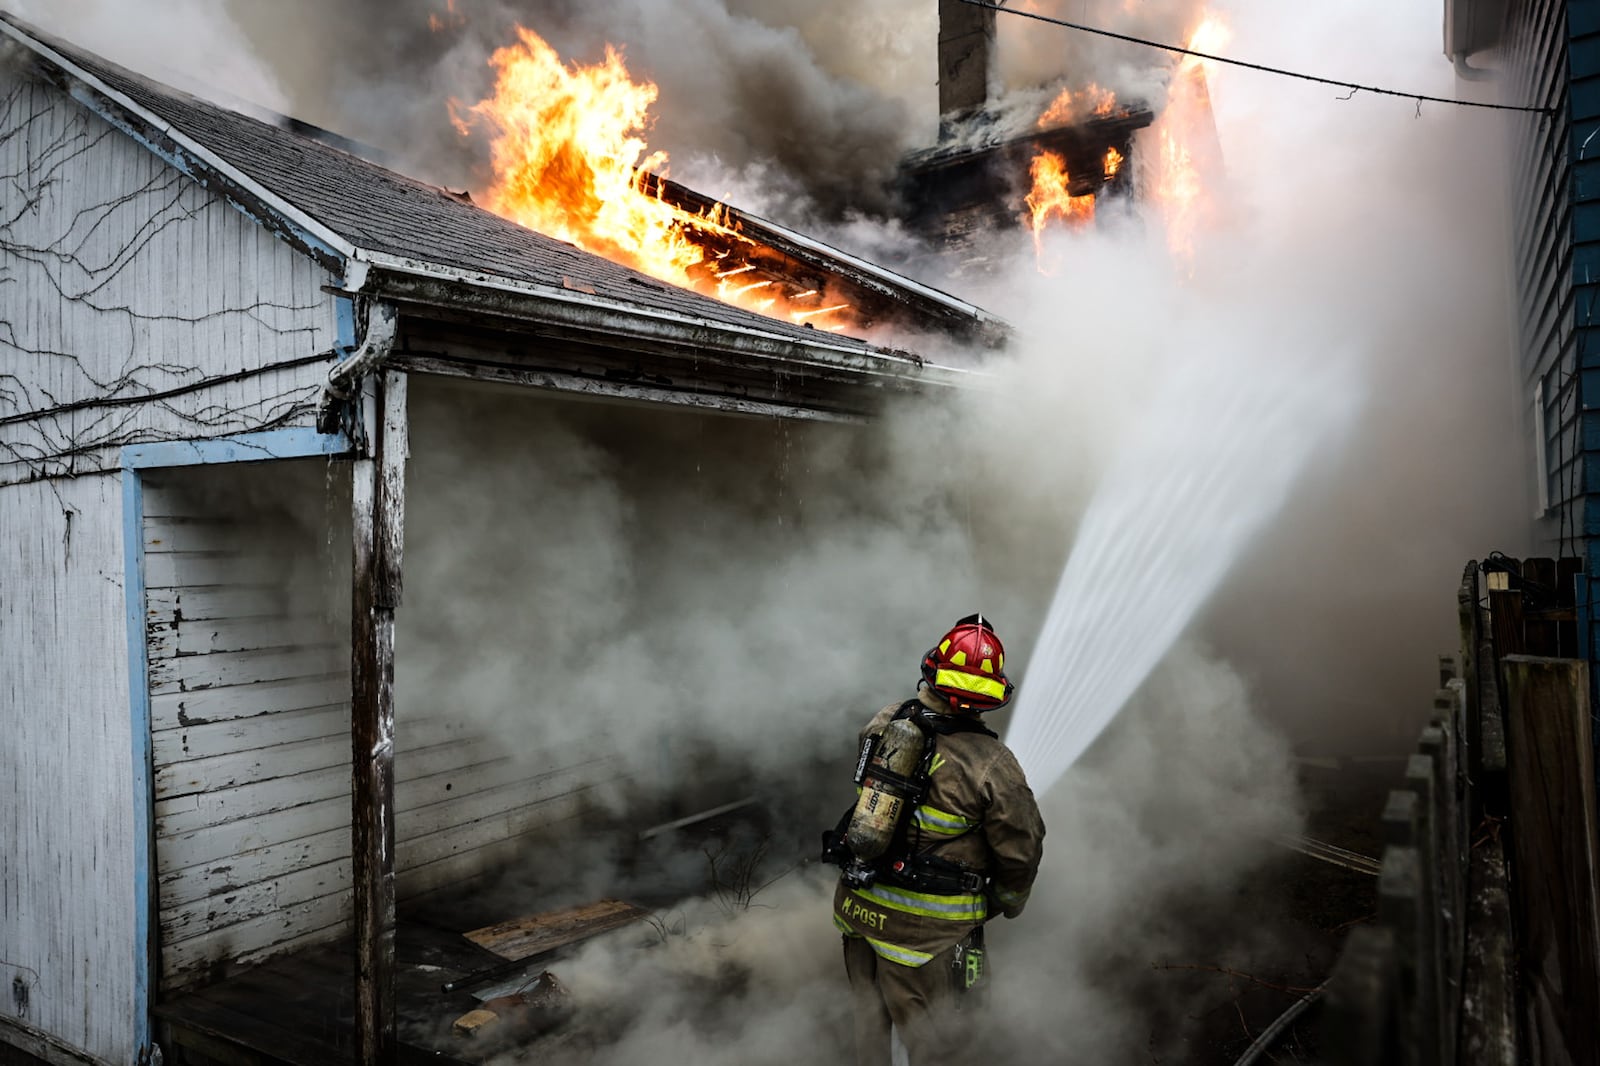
244, 448
144, 960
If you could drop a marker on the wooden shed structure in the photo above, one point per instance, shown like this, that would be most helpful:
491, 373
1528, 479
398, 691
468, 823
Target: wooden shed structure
199, 308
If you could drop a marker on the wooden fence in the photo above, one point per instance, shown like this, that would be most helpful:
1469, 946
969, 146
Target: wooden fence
1487, 936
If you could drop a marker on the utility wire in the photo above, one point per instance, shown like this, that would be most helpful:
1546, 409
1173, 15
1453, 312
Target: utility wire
1354, 87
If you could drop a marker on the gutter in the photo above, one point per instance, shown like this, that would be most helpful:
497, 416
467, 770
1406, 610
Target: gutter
402, 279
1467, 72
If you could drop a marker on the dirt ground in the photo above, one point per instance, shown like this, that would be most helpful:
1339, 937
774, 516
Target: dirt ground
1306, 907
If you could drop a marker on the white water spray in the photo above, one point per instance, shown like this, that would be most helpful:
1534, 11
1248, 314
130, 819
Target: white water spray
1210, 462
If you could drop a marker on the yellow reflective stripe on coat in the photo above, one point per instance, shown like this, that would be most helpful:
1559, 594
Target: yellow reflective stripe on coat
892, 952
896, 953
942, 822
957, 908
973, 683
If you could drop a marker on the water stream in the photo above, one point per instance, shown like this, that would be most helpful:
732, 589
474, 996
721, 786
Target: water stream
1220, 445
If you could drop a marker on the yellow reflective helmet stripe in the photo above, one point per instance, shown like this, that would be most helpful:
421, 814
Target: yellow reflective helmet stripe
942, 822
959, 658
987, 666
965, 682
944, 648
957, 908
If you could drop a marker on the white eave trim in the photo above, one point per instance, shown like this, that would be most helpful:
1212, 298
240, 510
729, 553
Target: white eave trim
820, 353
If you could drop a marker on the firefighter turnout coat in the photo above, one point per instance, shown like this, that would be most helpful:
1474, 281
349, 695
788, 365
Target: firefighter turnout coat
978, 813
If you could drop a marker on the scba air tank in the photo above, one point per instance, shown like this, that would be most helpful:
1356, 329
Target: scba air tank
885, 789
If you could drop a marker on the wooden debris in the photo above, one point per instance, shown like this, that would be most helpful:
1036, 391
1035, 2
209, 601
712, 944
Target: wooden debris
539, 1006
474, 1022
535, 934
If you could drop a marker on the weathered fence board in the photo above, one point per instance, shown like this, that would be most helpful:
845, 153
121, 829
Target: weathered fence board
1551, 780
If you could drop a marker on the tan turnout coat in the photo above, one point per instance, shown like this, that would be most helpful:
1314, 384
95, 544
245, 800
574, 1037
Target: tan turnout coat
978, 812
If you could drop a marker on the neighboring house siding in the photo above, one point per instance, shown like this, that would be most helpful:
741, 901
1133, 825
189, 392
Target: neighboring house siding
122, 278
248, 635
1534, 60
1584, 141
66, 781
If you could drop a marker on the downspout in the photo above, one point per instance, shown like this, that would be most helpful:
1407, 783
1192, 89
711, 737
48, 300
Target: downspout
345, 377
1467, 72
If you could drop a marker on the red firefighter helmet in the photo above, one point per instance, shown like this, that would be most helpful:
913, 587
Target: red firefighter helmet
968, 666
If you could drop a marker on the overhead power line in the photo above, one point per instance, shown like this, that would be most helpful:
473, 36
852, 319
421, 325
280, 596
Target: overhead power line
1354, 87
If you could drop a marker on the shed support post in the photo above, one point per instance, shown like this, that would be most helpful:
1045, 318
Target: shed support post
378, 519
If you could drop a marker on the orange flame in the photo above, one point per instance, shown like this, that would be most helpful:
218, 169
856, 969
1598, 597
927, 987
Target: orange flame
1113, 163
1187, 139
1051, 196
1071, 106
570, 161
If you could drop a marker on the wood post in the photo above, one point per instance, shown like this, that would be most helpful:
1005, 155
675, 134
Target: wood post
378, 499
1552, 799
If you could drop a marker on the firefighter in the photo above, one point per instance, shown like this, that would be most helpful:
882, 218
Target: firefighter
966, 846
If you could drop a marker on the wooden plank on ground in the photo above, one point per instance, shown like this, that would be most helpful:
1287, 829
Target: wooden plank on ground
535, 934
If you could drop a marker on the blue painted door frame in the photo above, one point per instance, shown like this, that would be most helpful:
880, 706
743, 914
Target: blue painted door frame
245, 448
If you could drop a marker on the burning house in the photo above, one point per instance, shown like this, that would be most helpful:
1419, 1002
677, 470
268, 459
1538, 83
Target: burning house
211, 323
232, 345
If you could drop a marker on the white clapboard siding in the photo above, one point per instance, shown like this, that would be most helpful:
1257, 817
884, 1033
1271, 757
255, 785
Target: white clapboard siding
245, 734
225, 634
421, 874
249, 706
232, 872
224, 602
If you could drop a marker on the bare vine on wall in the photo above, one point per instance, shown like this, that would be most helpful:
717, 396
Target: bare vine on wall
131, 309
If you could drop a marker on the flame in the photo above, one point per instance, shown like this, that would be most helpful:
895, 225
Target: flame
452, 19
1051, 196
570, 161
1113, 162
1071, 106
1187, 140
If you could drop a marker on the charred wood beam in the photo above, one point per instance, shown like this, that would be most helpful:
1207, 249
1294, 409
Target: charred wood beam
875, 293
378, 522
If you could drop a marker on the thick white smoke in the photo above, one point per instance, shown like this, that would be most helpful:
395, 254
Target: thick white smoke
728, 600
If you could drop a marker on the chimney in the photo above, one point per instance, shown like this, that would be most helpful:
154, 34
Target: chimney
966, 57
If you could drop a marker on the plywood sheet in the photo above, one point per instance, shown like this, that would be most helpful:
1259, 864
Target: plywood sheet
535, 934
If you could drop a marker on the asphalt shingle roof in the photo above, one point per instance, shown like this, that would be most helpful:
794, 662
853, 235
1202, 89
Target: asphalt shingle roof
381, 210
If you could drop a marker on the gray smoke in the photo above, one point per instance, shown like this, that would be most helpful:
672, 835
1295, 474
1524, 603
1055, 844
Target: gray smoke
723, 602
